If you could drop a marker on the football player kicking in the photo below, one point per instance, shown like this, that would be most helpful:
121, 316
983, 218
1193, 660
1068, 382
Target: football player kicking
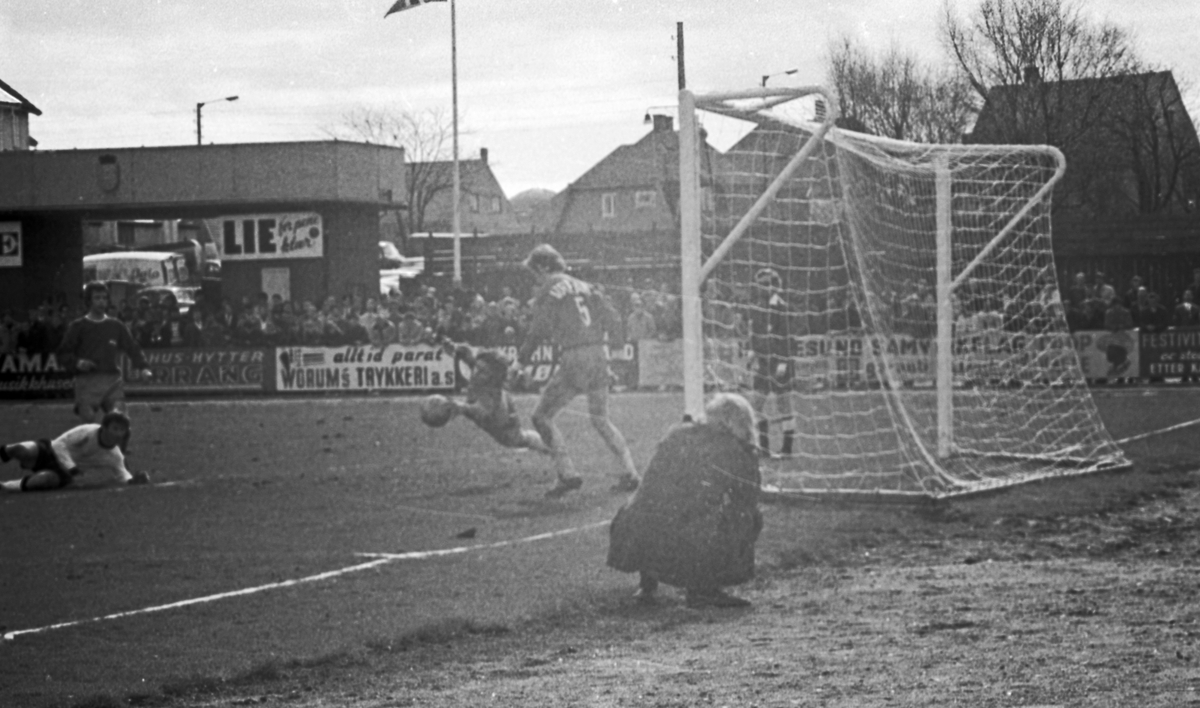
489, 404
53, 464
574, 316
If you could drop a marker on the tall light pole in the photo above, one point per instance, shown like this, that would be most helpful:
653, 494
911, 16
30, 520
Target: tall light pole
399, 6
457, 183
201, 105
789, 72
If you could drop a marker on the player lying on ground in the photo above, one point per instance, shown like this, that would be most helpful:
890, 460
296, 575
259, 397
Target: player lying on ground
489, 403
92, 447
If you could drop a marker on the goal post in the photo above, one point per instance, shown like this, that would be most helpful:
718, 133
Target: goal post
927, 347
690, 204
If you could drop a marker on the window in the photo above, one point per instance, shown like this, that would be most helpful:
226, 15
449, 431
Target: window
608, 205
473, 203
643, 199
495, 205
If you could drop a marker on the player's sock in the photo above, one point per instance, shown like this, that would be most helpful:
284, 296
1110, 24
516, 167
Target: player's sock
14, 485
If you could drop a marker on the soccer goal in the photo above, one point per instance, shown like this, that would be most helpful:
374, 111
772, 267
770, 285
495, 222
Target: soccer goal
929, 350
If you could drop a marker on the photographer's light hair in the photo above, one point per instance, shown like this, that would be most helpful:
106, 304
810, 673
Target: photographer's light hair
732, 412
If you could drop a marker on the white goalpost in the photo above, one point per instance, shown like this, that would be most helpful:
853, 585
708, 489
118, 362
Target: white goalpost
929, 354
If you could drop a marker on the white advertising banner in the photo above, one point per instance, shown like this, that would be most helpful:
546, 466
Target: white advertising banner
363, 368
10, 244
854, 359
269, 236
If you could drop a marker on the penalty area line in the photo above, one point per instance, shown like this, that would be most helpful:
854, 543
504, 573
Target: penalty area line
1160, 431
379, 559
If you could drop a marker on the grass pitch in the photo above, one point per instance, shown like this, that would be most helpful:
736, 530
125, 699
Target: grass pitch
245, 553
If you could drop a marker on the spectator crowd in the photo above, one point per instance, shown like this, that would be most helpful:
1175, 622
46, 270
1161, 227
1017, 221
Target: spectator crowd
426, 315
652, 312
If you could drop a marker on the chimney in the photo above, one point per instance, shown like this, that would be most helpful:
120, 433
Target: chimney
483, 155
663, 123
1032, 75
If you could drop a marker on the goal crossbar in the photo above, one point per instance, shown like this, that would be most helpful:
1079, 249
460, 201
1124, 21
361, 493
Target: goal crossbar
718, 103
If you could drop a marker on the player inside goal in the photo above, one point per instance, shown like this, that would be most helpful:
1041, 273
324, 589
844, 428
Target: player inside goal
926, 351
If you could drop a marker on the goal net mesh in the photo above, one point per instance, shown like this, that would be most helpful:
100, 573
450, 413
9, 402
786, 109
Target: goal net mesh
852, 235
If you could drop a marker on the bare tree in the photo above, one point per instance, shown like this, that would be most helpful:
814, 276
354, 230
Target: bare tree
895, 96
427, 139
1038, 45
1050, 75
1157, 144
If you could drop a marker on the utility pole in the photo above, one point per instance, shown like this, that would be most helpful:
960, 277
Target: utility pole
679, 54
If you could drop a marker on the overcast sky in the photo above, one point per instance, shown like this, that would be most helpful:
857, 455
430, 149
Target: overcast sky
549, 87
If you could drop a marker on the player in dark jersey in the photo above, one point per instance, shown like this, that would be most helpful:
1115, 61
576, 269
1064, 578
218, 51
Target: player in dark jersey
574, 316
770, 345
92, 345
489, 404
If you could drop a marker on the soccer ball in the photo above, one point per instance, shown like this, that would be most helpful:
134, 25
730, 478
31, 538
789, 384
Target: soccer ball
437, 410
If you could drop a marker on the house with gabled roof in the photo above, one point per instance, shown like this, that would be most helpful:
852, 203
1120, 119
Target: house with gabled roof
1130, 144
1128, 203
634, 189
617, 222
15, 110
483, 206
621, 217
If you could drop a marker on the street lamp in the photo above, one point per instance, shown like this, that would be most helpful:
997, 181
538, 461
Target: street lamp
201, 105
789, 72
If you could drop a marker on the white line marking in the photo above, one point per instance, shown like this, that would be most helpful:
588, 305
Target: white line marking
380, 559
1168, 429
463, 549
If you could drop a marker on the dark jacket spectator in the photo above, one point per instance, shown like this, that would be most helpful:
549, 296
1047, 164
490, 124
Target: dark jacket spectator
1151, 316
1117, 318
34, 337
1187, 314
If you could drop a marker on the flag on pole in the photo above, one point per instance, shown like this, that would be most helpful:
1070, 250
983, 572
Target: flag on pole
401, 5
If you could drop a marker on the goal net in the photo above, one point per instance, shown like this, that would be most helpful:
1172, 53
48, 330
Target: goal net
923, 345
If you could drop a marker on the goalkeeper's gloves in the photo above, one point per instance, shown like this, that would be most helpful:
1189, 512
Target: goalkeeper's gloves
141, 477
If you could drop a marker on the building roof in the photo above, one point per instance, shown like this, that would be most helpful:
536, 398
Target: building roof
8, 94
1074, 105
646, 162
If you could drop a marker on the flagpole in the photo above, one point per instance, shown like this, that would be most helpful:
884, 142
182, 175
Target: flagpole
454, 104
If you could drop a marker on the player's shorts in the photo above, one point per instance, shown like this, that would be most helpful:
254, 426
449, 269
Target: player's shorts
580, 370
47, 461
105, 392
767, 378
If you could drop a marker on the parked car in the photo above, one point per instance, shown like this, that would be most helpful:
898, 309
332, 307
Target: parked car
393, 266
148, 268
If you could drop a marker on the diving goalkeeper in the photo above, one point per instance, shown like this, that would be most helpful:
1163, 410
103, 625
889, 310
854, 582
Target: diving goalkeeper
53, 464
489, 403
